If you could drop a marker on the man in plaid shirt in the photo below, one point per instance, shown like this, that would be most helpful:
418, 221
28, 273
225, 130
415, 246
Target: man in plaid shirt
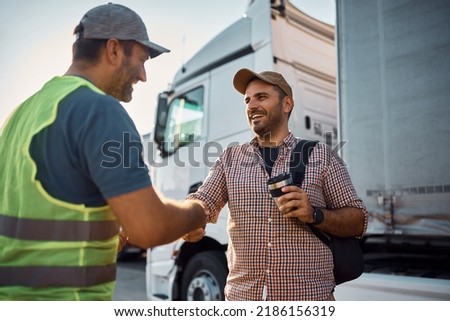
272, 253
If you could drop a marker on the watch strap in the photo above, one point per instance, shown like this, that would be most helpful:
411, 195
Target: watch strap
318, 216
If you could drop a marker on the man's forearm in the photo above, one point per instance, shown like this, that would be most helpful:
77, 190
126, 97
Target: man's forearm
344, 222
189, 214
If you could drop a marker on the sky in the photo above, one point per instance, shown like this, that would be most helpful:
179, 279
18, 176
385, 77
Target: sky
36, 40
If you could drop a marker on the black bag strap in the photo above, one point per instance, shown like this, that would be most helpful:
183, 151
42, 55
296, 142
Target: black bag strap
297, 166
299, 160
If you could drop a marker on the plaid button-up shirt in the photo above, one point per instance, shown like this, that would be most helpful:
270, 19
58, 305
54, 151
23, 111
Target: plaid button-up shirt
269, 256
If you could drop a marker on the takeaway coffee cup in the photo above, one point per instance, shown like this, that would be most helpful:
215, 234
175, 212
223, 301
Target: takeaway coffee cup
276, 183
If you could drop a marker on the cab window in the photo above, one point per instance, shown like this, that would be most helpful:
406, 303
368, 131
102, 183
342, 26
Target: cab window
184, 122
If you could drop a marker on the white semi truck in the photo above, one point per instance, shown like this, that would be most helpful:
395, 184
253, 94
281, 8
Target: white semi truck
202, 114
391, 66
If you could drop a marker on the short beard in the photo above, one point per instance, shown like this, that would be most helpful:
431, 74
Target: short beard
120, 85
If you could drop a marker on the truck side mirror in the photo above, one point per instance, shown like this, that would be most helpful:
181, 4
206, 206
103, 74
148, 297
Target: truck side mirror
161, 119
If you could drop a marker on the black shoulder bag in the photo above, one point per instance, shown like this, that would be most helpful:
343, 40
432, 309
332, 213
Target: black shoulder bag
347, 254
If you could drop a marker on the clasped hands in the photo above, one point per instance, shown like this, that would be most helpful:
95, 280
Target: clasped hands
197, 234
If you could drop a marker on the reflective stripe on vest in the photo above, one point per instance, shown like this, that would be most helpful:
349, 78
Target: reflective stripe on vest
49, 230
56, 276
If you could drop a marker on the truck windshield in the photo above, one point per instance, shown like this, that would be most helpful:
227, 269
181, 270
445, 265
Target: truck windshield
184, 121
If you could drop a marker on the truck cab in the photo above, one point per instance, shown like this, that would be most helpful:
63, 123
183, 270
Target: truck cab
202, 114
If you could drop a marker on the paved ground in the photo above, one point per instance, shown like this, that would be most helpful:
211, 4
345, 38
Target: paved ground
130, 284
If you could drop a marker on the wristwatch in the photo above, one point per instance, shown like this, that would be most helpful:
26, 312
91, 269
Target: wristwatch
318, 216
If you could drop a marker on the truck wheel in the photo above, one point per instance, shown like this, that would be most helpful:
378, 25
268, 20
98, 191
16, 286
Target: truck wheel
204, 277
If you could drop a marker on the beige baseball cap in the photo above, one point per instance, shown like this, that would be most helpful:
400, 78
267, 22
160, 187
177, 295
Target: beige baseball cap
244, 76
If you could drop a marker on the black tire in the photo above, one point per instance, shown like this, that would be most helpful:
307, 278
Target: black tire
204, 277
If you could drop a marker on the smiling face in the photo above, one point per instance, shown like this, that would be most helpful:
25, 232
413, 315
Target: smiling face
267, 112
129, 73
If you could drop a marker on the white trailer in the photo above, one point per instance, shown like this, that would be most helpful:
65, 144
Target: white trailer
394, 114
202, 114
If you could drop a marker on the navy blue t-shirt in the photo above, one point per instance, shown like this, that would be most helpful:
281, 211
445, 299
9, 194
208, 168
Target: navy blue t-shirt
91, 152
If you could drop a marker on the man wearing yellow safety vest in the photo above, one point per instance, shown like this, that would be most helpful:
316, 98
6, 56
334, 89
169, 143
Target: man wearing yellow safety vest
72, 173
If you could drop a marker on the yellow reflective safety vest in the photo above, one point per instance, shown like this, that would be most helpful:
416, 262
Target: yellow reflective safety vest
49, 249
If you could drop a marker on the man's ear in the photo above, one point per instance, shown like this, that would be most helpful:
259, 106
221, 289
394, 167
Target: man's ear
114, 51
288, 104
